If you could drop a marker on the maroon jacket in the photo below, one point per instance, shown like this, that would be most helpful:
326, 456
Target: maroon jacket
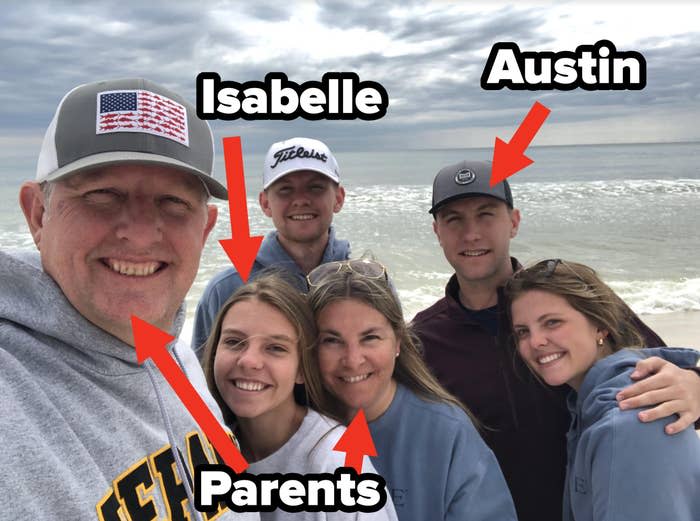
522, 421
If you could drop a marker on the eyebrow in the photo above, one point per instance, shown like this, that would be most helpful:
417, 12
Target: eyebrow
238, 332
447, 212
191, 188
546, 316
362, 333
541, 318
82, 178
487, 205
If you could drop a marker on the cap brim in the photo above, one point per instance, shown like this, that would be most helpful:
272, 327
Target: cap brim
279, 176
464, 196
215, 188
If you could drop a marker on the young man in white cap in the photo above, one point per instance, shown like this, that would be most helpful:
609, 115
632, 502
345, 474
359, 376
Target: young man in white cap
119, 213
301, 192
466, 338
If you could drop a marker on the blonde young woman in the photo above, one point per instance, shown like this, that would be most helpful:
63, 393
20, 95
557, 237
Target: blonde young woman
254, 361
571, 328
432, 457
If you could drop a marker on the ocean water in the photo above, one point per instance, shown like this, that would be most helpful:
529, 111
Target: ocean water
630, 211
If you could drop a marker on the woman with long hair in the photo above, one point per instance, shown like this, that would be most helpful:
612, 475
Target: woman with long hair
572, 329
254, 362
366, 357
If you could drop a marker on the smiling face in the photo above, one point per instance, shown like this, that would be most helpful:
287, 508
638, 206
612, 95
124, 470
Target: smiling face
475, 234
357, 353
257, 361
558, 342
301, 206
122, 240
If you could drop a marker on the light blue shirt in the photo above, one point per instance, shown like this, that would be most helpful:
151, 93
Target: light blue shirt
436, 465
620, 468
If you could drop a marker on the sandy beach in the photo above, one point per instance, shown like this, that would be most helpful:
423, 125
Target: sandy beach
681, 329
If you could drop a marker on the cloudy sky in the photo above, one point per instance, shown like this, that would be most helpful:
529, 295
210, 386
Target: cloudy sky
428, 55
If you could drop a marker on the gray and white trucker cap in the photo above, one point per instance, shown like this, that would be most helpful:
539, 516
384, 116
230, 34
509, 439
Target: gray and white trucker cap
467, 179
127, 121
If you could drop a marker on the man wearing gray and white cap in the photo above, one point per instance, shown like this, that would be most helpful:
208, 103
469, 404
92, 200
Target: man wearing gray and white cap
467, 342
301, 192
119, 213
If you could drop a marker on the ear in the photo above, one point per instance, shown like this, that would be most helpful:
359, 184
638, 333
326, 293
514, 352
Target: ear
31, 200
264, 203
212, 214
339, 198
300, 378
515, 222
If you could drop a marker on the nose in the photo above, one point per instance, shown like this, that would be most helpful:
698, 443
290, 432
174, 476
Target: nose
537, 338
140, 222
353, 357
471, 231
250, 358
301, 198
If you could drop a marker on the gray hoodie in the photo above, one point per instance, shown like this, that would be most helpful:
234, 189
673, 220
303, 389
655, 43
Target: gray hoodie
620, 468
82, 435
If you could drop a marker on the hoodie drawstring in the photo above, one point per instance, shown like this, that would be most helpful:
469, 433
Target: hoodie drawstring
174, 447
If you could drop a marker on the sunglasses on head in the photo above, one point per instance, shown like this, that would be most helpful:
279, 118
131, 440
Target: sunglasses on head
545, 268
365, 267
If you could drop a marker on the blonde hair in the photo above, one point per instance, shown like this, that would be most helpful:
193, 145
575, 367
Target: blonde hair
272, 289
410, 369
585, 292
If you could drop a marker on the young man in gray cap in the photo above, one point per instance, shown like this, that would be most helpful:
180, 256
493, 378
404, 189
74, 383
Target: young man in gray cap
466, 337
119, 213
301, 192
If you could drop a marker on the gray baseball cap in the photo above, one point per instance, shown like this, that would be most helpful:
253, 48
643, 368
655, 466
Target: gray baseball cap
127, 121
467, 179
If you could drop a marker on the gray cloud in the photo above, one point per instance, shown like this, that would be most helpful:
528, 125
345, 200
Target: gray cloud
267, 10
433, 81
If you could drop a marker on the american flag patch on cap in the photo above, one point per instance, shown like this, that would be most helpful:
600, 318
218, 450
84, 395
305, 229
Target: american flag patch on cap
141, 111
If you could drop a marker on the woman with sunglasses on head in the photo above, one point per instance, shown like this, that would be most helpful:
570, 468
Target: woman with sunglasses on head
434, 461
571, 328
255, 363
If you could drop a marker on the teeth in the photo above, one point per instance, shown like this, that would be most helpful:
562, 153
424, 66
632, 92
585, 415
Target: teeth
136, 269
474, 253
304, 217
250, 386
549, 358
355, 379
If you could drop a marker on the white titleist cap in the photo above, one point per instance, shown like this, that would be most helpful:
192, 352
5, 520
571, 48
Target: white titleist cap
295, 154
127, 121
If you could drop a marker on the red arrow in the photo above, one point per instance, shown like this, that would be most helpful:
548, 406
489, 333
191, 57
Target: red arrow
509, 158
355, 442
241, 248
150, 342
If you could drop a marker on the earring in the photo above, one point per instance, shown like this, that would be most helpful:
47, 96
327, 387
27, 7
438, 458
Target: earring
397, 354
600, 341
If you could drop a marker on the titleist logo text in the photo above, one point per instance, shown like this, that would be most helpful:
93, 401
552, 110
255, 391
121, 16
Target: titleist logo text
289, 153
